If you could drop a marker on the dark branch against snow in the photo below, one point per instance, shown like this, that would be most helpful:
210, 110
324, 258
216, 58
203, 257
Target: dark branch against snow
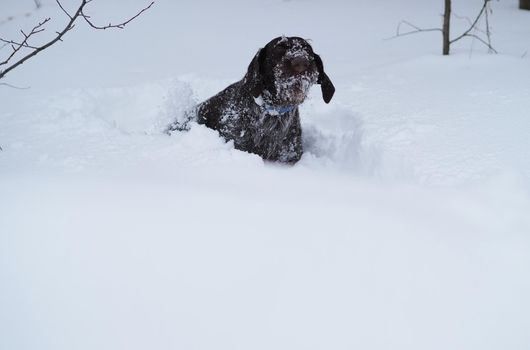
110, 25
415, 30
17, 46
473, 26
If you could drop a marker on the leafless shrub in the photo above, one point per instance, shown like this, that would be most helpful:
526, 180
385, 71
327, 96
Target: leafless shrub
28, 50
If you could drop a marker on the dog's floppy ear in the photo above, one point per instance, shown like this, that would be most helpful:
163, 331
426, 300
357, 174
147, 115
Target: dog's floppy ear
254, 77
325, 83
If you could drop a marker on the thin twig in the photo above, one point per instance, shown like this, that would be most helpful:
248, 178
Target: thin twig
474, 22
468, 20
45, 46
415, 31
482, 41
467, 33
11, 42
488, 31
15, 87
17, 46
110, 25
62, 8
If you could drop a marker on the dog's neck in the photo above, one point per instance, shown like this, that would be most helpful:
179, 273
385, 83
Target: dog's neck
273, 110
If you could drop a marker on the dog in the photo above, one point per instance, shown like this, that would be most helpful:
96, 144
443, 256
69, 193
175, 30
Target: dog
260, 112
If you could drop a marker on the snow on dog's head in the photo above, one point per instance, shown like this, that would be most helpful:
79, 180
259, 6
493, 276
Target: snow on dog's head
283, 71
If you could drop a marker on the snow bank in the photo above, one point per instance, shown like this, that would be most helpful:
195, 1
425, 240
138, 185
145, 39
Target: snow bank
404, 226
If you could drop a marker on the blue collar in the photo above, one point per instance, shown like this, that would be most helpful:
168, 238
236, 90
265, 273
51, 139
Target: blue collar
272, 110
279, 110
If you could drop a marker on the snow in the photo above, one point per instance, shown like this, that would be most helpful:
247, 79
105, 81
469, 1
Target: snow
405, 225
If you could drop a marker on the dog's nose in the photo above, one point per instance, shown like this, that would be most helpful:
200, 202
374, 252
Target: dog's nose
299, 64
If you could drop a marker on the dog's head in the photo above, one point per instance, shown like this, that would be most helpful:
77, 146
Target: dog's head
283, 71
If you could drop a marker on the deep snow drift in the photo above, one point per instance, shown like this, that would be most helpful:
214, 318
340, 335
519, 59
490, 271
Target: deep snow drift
406, 225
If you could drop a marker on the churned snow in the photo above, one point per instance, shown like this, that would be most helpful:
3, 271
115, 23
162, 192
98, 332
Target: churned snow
406, 225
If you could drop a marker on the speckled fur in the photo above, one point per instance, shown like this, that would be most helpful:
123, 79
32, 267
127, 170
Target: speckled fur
273, 137
247, 111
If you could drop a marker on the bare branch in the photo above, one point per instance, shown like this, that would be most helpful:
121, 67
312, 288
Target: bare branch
474, 22
415, 31
18, 45
24, 44
110, 25
62, 8
482, 41
473, 26
14, 87
488, 31
11, 42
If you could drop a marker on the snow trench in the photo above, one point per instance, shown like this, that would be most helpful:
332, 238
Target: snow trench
110, 122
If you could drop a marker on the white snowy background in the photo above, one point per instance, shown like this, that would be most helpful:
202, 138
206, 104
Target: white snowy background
406, 225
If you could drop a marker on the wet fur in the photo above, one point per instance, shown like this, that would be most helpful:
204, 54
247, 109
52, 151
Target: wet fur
246, 111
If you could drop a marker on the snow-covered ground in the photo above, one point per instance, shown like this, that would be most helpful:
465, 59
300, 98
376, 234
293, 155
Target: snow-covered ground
406, 225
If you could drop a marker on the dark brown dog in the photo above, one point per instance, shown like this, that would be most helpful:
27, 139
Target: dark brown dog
260, 112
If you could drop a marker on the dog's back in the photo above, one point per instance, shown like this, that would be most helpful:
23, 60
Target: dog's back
260, 112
